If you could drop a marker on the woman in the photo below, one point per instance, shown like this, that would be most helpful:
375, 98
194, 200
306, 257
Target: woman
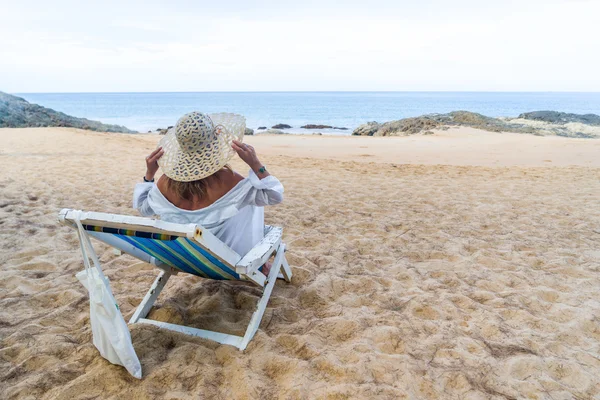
197, 185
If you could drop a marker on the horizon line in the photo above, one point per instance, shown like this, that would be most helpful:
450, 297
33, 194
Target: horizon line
316, 91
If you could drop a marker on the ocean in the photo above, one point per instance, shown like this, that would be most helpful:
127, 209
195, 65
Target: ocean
149, 111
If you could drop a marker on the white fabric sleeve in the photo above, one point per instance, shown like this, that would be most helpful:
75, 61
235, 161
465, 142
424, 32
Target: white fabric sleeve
265, 192
140, 198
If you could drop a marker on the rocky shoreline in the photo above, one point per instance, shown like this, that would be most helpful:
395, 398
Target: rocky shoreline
16, 112
307, 126
542, 123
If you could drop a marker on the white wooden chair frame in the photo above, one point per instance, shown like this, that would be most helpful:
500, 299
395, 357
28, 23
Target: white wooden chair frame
247, 267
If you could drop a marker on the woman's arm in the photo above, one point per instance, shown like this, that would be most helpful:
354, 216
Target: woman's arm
141, 191
248, 155
152, 163
267, 190
140, 198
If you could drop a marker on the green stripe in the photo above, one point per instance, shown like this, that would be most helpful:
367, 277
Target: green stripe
198, 256
151, 252
174, 253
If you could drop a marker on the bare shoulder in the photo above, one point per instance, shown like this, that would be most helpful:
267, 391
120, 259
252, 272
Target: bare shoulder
162, 184
229, 178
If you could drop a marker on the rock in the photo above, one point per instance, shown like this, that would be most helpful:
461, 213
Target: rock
424, 123
569, 125
318, 133
555, 117
161, 131
16, 112
428, 133
407, 126
281, 126
367, 129
249, 131
474, 120
273, 132
312, 126
260, 128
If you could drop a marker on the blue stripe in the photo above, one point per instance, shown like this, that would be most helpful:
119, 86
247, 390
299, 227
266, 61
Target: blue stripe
171, 260
212, 259
164, 256
177, 247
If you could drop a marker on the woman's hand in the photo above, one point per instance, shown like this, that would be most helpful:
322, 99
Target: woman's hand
152, 163
248, 155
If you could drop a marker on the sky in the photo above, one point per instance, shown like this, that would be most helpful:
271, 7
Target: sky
426, 45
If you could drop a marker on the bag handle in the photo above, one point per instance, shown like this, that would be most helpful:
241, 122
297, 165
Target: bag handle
87, 250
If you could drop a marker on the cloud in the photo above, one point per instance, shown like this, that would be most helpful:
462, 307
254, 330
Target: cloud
132, 46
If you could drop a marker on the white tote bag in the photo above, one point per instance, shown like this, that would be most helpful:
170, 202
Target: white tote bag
110, 333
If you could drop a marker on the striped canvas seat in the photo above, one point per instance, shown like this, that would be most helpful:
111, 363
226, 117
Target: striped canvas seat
191, 249
175, 251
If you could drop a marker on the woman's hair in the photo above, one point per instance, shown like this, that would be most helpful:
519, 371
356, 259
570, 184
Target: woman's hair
194, 190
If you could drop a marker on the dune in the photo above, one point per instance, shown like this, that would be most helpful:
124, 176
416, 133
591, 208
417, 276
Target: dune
463, 264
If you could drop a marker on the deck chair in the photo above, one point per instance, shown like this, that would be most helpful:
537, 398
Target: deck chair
188, 248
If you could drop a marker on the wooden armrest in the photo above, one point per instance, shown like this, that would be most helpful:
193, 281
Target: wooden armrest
261, 252
267, 229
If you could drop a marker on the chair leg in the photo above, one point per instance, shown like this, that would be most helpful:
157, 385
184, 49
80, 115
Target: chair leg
286, 271
262, 303
151, 296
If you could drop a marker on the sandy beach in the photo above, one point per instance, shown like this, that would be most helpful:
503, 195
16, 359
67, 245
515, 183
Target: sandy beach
459, 265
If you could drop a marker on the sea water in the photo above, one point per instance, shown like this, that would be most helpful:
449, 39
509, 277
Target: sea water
148, 111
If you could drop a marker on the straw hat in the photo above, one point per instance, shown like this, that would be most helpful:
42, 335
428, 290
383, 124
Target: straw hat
199, 145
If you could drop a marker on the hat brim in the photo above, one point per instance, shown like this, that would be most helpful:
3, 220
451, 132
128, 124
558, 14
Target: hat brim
191, 166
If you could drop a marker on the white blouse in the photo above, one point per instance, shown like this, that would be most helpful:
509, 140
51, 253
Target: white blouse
237, 218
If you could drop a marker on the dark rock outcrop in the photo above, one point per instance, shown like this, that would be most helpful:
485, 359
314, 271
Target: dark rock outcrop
425, 123
260, 128
313, 126
281, 126
249, 131
367, 129
407, 126
163, 131
555, 117
474, 120
317, 126
16, 112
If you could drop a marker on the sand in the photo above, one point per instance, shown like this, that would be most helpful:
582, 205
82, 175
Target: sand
475, 279
456, 146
